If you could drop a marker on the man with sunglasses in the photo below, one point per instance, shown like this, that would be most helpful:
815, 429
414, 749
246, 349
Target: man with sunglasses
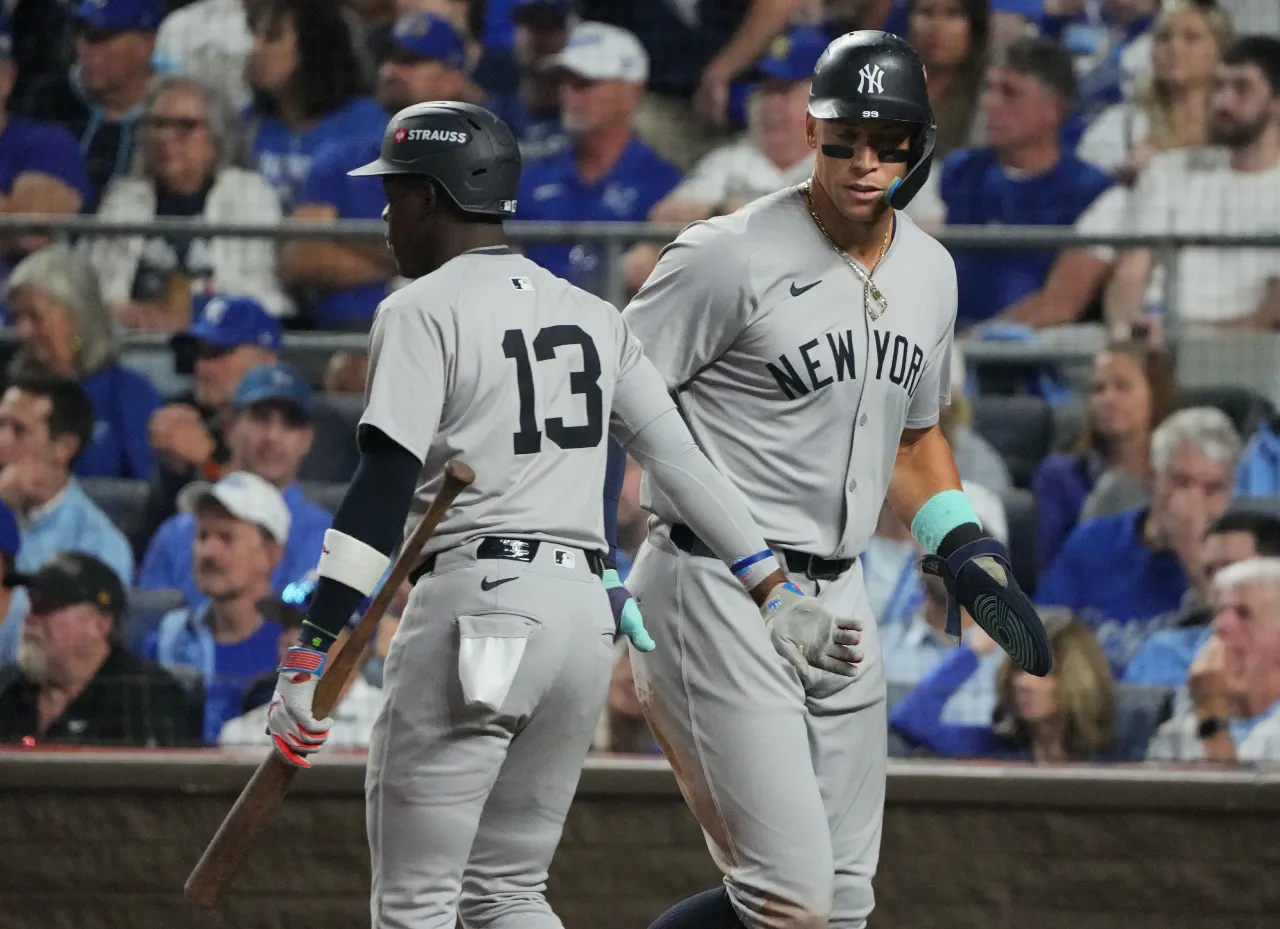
269, 434
807, 338
231, 336
100, 98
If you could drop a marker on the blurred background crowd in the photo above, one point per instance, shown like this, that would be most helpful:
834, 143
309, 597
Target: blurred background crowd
169, 462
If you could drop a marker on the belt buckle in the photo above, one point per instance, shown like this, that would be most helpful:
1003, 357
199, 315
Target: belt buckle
808, 567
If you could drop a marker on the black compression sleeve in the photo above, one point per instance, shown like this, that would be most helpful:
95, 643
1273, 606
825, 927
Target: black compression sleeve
960, 535
372, 511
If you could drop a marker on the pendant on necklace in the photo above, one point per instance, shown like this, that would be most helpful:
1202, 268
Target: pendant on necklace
874, 301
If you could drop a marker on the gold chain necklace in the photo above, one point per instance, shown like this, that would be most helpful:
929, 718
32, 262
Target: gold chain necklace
873, 300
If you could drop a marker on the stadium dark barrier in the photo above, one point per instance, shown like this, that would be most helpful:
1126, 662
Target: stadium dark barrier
106, 839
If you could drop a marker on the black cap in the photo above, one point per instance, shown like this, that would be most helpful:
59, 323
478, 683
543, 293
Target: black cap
464, 148
72, 578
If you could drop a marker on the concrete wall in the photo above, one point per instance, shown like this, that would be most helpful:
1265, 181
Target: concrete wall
107, 840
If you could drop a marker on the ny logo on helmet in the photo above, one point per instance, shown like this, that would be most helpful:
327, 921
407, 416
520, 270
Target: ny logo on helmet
871, 79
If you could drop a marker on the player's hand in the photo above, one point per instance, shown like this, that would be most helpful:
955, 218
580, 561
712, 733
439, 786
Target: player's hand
626, 612
295, 732
809, 637
978, 578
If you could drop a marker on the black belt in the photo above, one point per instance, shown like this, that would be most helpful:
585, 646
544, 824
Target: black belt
811, 566
509, 550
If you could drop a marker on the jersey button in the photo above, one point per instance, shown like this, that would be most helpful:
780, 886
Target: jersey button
853, 484
862, 420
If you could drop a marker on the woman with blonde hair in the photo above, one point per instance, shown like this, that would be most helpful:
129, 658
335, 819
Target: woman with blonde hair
1132, 390
1172, 109
65, 330
1069, 715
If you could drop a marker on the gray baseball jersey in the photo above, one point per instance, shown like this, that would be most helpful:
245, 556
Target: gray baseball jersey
496, 362
787, 384
800, 398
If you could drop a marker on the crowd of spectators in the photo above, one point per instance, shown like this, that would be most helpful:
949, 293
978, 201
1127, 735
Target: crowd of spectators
1152, 542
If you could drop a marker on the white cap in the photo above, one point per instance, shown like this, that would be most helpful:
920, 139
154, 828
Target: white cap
245, 496
600, 52
989, 509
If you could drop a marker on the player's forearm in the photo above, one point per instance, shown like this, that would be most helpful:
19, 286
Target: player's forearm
328, 264
924, 467
372, 514
711, 505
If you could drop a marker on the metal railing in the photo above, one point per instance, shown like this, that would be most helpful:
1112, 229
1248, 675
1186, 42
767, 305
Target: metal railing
616, 237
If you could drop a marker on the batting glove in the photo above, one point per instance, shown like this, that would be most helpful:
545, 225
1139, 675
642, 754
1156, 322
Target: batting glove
978, 577
810, 638
295, 732
626, 612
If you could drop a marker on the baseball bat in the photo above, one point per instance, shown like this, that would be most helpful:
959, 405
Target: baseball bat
265, 791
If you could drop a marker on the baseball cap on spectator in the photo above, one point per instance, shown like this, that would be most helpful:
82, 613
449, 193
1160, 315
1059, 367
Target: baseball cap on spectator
276, 382
426, 35
245, 496
792, 55
120, 15
6, 39
600, 52
228, 322
71, 578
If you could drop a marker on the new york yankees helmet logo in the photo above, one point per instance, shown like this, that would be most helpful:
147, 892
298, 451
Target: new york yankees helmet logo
871, 79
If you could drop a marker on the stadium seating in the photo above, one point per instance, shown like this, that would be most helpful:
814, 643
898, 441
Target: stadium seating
124, 501
333, 455
143, 612
1247, 408
1022, 516
1020, 428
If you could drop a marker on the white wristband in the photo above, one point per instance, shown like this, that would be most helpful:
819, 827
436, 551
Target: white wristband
349, 561
753, 569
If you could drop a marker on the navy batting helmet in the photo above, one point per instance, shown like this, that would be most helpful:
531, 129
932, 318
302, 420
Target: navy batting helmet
464, 148
876, 75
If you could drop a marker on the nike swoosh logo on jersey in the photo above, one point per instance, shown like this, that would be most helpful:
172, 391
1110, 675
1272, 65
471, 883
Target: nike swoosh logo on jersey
797, 291
487, 584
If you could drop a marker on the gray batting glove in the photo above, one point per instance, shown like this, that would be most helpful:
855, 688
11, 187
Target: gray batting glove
809, 637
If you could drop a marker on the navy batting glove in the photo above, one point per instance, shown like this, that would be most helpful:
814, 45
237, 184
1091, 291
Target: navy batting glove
626, 612
978, 577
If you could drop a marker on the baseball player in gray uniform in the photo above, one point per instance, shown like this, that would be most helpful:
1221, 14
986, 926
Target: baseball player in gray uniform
807, 338
498, 672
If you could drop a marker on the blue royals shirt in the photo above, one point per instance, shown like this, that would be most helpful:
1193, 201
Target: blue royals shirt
284, 157
1107, 575
353, 198
551, 189
977, 192
123, 402
167, 563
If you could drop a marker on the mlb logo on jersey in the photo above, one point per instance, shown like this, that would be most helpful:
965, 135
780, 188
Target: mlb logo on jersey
564, 558
522, 283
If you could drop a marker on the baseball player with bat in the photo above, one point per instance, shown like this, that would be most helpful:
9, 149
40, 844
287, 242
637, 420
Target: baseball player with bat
807, 340
498, 672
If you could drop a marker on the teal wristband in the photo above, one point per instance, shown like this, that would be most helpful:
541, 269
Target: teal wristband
940, 514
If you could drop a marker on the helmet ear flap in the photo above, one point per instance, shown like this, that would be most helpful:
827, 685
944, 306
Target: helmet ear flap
922, 146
